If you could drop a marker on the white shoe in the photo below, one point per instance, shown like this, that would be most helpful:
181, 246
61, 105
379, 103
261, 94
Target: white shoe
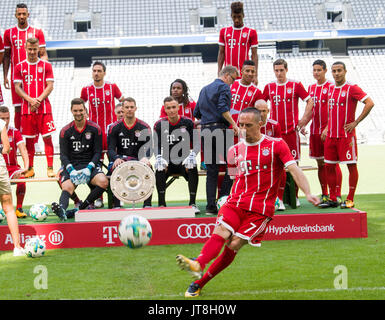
98, 203
297, 203
18, 252
195, 208
281, 206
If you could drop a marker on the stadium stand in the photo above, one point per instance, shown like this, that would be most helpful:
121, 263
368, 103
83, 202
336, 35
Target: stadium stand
120, 18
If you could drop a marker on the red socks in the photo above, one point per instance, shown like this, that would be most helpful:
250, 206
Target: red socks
30, 144
20, 193
219, 264
338, 180
48, 148
353, 180
322, 177
210, 250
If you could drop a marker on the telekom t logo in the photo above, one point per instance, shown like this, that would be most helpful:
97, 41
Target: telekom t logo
110, 233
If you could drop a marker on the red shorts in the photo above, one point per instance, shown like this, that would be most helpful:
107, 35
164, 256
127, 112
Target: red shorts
16, 99
38, 123
294, 143
316, 147
12, 170
341, 150
244, 224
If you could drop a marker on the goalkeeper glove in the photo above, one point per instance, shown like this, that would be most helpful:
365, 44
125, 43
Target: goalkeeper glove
160, 163
190, 162
86, 173
74, 174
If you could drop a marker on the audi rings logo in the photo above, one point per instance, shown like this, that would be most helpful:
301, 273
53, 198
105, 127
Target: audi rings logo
195, 231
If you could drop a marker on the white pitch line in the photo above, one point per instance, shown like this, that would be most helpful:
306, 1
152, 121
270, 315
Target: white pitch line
254, 292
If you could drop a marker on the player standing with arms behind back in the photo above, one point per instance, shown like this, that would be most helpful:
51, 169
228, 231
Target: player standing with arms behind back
236, 41
15, 39
257, 164
340, 133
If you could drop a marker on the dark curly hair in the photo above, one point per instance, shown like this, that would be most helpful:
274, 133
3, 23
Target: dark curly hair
185, 94
237, 7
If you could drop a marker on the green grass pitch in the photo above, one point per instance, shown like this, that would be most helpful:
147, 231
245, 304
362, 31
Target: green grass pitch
299, 269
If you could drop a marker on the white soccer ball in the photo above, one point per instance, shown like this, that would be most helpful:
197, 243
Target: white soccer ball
39, 212
134, 231
34, 247
2, 215
221, 201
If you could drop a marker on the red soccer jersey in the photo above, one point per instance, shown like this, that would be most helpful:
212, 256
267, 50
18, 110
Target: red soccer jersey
34, 78
258, 168
342, 108
242, 97
237, 43
284, 102
15, 139
271, 129
186, 111
319, 93
15, 38
101, 103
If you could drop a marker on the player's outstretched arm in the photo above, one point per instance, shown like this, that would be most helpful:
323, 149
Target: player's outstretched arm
302, 183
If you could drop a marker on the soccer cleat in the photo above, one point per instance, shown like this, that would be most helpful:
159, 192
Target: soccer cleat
212, 212
339, 200
71, 213
18, 252
324, 202
193, 291
59, 211
191, 266
347, 204
50, 172
20, 213
297, 202
195, 208
30, 173
281, 206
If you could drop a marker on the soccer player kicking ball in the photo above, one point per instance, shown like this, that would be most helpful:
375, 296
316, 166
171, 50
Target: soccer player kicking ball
80, 152
257, 164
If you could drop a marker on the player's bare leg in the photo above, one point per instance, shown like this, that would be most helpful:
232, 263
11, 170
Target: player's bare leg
13, 225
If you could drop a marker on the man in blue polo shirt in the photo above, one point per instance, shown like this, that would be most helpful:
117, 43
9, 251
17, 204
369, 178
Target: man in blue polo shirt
213, 110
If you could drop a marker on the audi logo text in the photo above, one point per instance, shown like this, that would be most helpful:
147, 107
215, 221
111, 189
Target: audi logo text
195, 231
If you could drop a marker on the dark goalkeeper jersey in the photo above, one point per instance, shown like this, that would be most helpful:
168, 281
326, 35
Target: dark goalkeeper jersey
79, 148
174, 140
129, 142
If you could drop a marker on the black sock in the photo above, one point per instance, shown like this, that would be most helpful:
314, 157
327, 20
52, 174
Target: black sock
192, 184
93, 195
64, 199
